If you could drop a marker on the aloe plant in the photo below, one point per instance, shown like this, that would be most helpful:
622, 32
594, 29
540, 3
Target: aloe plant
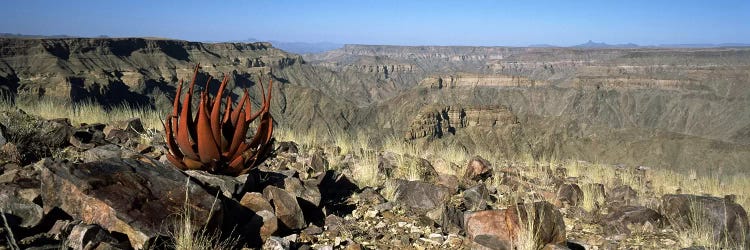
214, 140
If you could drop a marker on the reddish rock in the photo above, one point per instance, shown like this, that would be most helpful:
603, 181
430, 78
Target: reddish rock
497, 229
125, 196
286, 207
477, 169
255, 202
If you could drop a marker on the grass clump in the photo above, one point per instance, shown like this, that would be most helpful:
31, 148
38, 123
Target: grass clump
188, 236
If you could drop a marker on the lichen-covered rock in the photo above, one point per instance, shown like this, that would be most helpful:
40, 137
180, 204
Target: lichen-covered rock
125, 196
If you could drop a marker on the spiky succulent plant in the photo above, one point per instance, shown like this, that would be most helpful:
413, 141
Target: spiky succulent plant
214, 140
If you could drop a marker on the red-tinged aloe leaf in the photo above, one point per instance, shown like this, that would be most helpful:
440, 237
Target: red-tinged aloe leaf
177, 95
171, 143
208, 149
228, 111
216, 111
265, 130
237, 110
236, 166
185, 128
192, 164
176, 162
266, 105
240, 151
239, 135
227, 129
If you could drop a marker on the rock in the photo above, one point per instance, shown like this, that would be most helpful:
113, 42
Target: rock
475, 198
621, 195
286, 207
88, 136
728, 220
449, 181
287, 147
622, 217
118, 136
451, 219
132, 125
102, 152
83, 236
502, 227
269, 223
19, 211
307, 191
276, 243
415, 168
420, 195
33, 138
570, 193
477, 169
370, 196
313, 230
125, 196
333, 222
318, 162
228, 185
255, 202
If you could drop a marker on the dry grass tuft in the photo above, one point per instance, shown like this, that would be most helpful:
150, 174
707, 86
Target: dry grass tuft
87, 112
366, 172
188, 236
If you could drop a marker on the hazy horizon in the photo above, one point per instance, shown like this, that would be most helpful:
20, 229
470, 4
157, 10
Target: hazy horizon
442, 23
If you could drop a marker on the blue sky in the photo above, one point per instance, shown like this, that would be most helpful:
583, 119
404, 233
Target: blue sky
486, 23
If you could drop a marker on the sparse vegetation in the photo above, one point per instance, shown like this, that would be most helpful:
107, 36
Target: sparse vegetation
186, 235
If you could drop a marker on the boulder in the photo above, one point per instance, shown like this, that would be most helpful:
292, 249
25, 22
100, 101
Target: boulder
228, 186
621, 218
475, 198
286, 207
255, 202
267, 222
570, 193
420, 195
318, 162
727, 220
84, 236
307, 191
125, 196
477, 169
504, 226
622, 195
132, 125
20, 212
108, 151
287, 147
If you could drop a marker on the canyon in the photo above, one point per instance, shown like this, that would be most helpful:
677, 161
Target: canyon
682, 108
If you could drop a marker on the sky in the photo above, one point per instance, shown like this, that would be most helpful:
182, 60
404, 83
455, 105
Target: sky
478, 23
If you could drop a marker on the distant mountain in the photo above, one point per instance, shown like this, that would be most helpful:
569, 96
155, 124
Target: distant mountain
703, 45
11, 35
595, 45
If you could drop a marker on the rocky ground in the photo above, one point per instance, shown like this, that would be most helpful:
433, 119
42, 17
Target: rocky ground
108, 186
